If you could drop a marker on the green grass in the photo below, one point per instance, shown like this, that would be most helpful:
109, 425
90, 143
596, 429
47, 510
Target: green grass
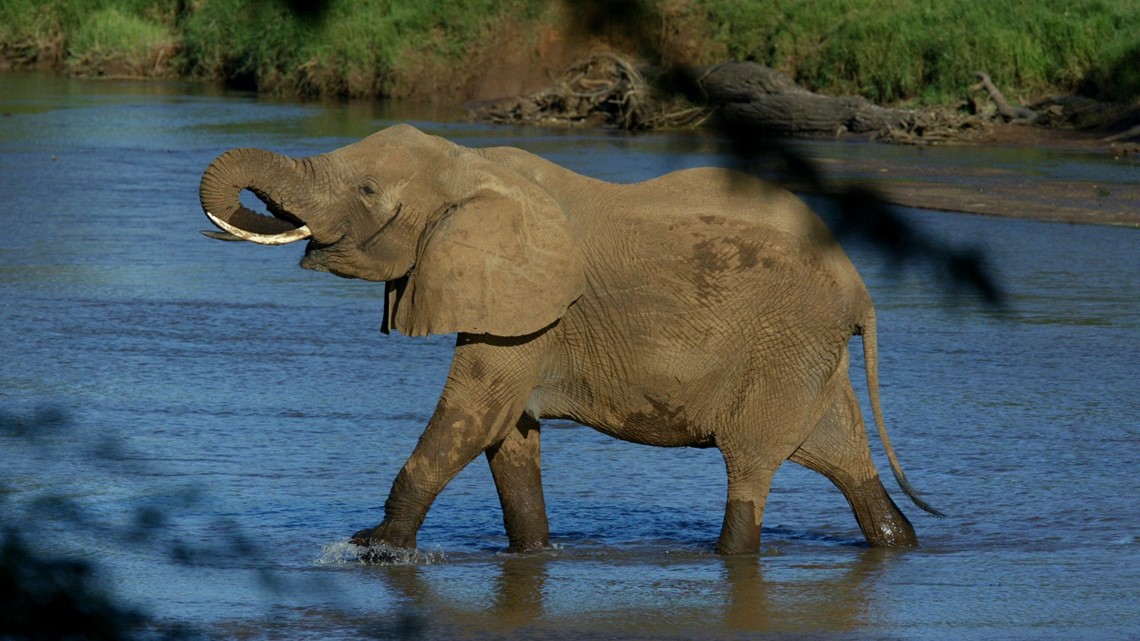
350, 49
927, 50
890, 51
109, 39
29, 33
87, 34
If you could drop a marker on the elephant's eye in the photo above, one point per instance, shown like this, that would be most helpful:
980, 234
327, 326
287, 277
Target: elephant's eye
367, 189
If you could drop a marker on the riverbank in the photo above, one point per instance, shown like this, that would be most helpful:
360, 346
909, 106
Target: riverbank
995, 159
1017, 172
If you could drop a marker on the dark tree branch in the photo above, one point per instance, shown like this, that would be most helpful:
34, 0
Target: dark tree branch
1007, 111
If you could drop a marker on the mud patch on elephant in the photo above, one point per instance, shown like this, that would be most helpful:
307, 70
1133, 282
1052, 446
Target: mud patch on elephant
740, 533
725, 254
664, 425
879, 518
716, 258
477, 369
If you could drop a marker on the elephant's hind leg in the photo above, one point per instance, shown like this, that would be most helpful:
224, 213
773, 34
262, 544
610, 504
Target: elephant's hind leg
838, 449
743, 513
749, 481
516, 466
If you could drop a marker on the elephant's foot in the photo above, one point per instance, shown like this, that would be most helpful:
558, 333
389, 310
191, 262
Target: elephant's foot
881, 521
528, 545
382, 545
748, 485
740, 533
526, 531
363, 537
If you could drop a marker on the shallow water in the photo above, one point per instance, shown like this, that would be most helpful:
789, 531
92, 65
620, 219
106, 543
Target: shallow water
245, 416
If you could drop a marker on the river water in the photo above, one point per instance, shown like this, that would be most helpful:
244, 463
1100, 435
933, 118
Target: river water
206, 423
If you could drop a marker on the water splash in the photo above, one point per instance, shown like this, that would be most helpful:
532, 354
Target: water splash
346, 552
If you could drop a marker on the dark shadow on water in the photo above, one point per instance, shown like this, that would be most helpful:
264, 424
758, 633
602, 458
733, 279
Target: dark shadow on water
44, 594
49, 597
50, 591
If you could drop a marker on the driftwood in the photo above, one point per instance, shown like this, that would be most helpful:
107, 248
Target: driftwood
756, 94
1010, 112
602, 90
607, 90
759, 96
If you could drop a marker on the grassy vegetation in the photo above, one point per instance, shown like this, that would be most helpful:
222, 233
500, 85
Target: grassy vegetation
351, 48
119, 43
919, 51
88, 36
928, 50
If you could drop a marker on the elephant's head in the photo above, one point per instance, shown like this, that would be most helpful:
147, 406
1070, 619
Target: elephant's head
466, 244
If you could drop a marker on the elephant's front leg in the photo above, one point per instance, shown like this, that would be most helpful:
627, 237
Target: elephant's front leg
516, 465
485, 394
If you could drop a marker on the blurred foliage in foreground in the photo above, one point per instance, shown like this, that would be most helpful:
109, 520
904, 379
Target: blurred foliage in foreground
50, 588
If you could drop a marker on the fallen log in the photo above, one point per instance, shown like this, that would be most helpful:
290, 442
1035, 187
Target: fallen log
760, 95
607, 90
1128, 134
1010, 112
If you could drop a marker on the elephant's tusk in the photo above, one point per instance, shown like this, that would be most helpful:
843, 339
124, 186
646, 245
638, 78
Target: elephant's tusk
220, 235
283, 238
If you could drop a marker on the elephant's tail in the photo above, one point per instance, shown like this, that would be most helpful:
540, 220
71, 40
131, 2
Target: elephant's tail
871, 362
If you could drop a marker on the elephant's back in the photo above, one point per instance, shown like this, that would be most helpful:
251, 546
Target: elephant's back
727, 231
695, 247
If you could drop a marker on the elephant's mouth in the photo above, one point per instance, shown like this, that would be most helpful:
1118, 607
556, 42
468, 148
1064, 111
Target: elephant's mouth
320, 258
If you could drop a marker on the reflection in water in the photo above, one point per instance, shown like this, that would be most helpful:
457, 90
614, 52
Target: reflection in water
520, 596
514, 598
834, 600
518, 593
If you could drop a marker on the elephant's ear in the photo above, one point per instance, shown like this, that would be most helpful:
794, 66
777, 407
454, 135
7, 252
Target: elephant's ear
502, 261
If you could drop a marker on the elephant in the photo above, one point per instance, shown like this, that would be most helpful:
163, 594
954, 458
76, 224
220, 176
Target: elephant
703, 308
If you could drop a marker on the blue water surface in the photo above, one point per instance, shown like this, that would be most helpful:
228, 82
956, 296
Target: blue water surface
217, 421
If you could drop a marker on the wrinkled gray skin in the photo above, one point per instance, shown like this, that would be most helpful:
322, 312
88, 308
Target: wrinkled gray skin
703, 308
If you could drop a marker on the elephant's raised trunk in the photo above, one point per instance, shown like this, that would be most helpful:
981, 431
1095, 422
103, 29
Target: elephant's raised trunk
264, 174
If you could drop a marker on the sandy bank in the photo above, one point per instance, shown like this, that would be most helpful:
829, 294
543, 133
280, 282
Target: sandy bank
957, 178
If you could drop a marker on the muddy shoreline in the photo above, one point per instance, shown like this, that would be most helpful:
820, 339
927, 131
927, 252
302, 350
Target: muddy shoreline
929, 178
935, 179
